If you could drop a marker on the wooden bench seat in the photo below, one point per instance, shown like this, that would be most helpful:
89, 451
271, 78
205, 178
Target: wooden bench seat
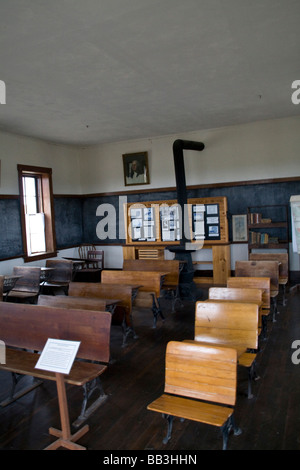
200, 385
150, 282
122, 311
230, 324
23, 363
41, 323
171, 279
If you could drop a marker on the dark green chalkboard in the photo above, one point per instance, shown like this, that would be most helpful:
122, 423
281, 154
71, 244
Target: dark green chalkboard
11, 244
68, 221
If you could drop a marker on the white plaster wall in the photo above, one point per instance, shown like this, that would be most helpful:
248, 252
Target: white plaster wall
259, 150
63, 159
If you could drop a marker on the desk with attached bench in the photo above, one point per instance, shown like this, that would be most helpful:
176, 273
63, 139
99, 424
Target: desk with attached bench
91, 328
150, 282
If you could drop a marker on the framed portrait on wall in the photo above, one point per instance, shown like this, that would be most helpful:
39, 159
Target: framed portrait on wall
239, 228
136, 170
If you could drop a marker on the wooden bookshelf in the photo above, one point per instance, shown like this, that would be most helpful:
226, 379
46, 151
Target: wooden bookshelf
268, 227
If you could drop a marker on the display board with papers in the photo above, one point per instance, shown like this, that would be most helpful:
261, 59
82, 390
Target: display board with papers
159, 222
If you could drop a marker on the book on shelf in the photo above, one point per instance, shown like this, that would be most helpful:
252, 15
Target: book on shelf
256, 218
257, 238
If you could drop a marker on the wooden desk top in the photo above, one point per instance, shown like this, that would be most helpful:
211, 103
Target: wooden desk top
259, 303
219, 341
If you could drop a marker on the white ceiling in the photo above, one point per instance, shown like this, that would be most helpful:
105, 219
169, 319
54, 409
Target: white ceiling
94, 71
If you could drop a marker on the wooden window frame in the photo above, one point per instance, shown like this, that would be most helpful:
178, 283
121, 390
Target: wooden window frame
48, 206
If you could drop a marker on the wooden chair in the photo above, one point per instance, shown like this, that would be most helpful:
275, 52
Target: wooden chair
27, 287
94, 263
263, 283
59, 277
83, 253
262, 269
97, 258
200, 385
283, 259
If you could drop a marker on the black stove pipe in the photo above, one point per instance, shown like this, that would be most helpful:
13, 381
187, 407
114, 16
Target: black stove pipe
187, 286
178, 146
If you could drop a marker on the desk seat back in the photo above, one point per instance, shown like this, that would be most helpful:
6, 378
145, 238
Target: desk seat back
235, 322
30, 326
259, 269
150, 281
238, 294
29, 279
67, 301
172, 267
103, 291
263, 283
201, 371
282, 258
61, 270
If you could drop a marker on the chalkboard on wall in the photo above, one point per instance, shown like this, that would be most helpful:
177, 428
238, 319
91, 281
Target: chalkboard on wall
68, 221
11, 244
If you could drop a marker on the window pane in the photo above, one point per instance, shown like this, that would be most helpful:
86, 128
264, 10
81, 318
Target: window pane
30, 196
35, 233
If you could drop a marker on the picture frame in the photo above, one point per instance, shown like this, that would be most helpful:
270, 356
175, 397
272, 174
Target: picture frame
136, 169
239, 228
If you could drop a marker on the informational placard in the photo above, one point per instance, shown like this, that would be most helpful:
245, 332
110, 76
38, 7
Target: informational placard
58, 356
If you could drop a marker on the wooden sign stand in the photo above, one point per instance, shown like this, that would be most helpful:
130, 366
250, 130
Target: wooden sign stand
65, 438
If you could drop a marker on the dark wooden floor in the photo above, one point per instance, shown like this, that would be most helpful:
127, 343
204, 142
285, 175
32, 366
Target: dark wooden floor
269, 421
